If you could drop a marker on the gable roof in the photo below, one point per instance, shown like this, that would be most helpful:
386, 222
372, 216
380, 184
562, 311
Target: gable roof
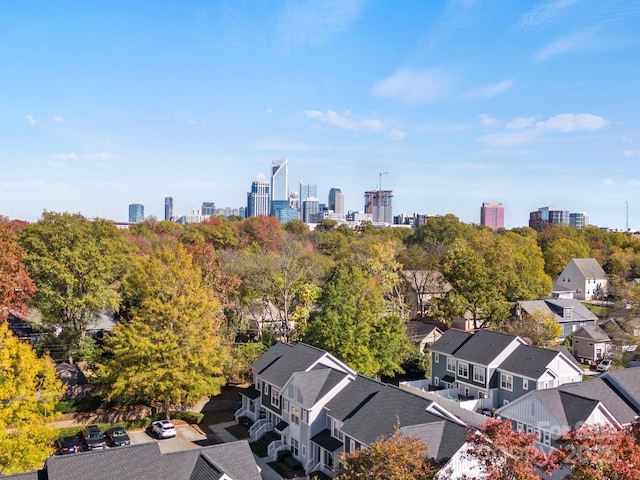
592, 332
588, 267
556, 306
282, 360
529, 361
450, 341
567, 408
145, 461
443, 438
419, 330
484, 346
627, 382
307, 388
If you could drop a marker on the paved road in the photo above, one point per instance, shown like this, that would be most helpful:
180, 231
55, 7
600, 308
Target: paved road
188, 437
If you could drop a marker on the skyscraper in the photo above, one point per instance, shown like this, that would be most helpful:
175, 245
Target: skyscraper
310, 207
208, 209
168, 207
336, 201
258, 200
492, 216
279, 180
136, 213
541, 218
308, 190
378, 204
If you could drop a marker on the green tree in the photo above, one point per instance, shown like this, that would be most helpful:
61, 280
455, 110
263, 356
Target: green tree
75, 264
16, 286
560, 251
29, 392
538, 328
351, 324
396, 457
167, 348
440, 230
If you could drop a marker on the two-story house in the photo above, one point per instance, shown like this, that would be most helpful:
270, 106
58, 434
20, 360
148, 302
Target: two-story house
571, 314
590, 344
321, 408
585, 277
611, 399
497, 367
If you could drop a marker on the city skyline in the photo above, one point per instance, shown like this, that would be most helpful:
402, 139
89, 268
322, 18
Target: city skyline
460, 102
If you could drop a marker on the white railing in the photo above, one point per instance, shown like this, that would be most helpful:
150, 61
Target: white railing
312, 466
259, 428
274, 448
245, 412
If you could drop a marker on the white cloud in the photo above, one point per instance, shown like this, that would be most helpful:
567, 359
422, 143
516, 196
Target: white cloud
30, 119
57, 164
509, 139
192, 122
415, 87
101, 156
396, 134
58, 119
544, 13
608, 182
576, 42
631, 153
571, 122
487, 120
269, 110
65, 157
488, 91
346, 121
520, 123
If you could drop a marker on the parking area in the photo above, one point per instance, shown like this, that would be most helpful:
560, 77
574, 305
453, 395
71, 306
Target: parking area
188, 436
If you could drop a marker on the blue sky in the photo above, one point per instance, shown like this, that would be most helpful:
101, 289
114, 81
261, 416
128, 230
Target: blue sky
107, 103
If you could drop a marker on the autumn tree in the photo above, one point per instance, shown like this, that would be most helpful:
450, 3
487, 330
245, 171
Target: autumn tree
167, 348
558, 253
504, 454
76, 264
28, 396
263, 232
600, 452
16, 286
351, 324
539, 328
396, 457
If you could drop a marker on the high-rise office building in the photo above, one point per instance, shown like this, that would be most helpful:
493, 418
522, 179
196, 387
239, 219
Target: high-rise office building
168, 207
578, 220
544, 216
136, 213
378, 204
258, 199
492, 216
310, 208
279, 180
336, 201
308, 190
208, 209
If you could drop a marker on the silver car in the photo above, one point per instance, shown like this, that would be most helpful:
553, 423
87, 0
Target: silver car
163, 429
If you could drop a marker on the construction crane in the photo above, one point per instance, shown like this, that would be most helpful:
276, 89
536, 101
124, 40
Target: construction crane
380, 181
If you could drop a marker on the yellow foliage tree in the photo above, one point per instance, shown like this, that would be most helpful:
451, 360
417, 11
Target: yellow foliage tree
29, 392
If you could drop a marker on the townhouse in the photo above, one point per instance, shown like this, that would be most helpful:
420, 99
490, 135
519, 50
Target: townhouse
321, 408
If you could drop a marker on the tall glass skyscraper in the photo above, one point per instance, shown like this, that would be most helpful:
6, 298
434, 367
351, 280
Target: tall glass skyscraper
136, 213
336, 201
258, 201
308, 190
168, 207
279, 180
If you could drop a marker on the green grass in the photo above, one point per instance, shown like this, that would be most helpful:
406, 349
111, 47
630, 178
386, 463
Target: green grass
259, 449
69, 431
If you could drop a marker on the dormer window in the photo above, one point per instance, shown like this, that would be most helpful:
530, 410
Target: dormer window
567, 312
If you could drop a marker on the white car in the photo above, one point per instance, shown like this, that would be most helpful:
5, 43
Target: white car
604, 365
163, 429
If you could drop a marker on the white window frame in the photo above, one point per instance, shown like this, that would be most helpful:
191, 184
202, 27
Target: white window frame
295, 415
304, 451
436, 358
436, 381
463, 370
451, 364
476, 374
546, 437
352, 445
275, 397
295, 445
506, 382
305, 415
265, 388
525, 384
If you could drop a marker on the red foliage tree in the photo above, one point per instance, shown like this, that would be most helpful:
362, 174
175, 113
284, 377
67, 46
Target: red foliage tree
265, 232
600, 452
504, 454
16, 286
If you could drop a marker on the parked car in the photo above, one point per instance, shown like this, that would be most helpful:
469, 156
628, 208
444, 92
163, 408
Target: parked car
604, 365
117, 437
69, 445
93, 438
163, 429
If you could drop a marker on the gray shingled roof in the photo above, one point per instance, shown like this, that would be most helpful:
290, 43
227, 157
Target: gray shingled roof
484, 346
592, 332
309, 387
627, 380
556, 306
567, 408
589, 267
145, 461
284, 360
528, 361
419, 329
450, 341
443, 438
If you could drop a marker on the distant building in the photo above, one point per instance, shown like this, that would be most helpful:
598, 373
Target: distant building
258, 199
279, 180
578, 220
492, 216
336, 201
378, 204
545, 216
308, 190
136, 213
310, 208
208, 209
168, 207
283, 211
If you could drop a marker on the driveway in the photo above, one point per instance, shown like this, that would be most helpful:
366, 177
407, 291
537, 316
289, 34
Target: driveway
188, 437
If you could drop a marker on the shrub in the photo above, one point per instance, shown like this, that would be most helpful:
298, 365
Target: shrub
283, 454
292, 463
189, 417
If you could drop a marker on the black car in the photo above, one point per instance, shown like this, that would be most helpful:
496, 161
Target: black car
93, 438
69, 445
117, 437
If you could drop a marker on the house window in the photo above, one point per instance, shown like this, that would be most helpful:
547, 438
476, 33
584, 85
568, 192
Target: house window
525, 384
463, 370
285, 405
478, 374
436, 381
294, 446
436, 358
275, 397
546, 438
506, 402
295, 415
259, 385
266, 389
352, 445
451, 364
576, 341
529, 429
305, 415
506, 382
336, 432
482, 395
304, 451
519, 427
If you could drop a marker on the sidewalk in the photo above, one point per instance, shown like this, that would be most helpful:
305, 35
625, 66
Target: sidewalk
266, 471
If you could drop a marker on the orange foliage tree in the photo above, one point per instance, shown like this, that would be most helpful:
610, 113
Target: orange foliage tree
16, 286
